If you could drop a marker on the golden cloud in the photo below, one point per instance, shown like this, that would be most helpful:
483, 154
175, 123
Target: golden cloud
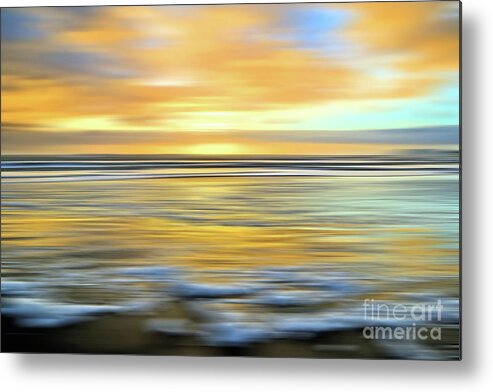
151, 67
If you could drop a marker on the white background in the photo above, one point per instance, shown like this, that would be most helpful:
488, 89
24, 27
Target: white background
77, 373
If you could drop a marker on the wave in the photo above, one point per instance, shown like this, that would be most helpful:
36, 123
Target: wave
97, 169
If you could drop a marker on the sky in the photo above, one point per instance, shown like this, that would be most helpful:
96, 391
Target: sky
341, 78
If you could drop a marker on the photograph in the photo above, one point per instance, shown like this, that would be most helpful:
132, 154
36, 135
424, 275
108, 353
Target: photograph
278, 180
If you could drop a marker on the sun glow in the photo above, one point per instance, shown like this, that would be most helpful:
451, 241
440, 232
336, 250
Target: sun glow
90, 123
216, 148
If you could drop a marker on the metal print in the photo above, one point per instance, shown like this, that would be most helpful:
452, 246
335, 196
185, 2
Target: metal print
267, 180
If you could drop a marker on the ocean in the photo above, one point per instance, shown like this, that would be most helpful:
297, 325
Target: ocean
256, 256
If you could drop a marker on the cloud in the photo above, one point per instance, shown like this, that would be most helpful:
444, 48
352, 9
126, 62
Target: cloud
441, 135
164, 68
20, 138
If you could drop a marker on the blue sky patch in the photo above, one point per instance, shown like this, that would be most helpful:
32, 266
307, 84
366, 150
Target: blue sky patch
312, 26
17, 25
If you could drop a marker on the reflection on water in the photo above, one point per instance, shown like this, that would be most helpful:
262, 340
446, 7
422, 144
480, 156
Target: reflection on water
226, 265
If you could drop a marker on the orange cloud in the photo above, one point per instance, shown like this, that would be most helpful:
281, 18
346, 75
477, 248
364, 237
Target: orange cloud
155, 68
